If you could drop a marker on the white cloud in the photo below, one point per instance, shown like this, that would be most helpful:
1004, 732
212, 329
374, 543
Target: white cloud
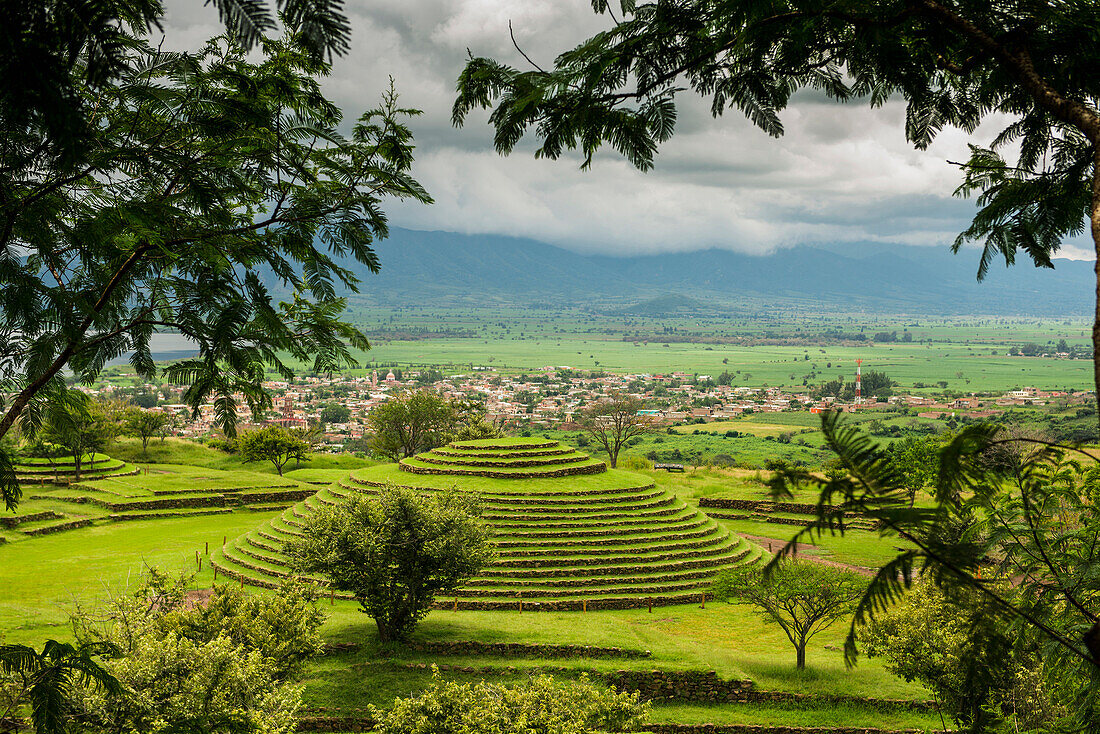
842, 173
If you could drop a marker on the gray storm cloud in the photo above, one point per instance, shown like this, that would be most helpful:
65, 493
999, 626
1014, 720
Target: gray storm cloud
842, 173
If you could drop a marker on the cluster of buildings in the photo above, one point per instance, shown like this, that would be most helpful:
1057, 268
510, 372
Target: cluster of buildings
553, 396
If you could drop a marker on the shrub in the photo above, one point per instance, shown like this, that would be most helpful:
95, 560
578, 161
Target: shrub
396, 552
541, 705
633, 462
207, 669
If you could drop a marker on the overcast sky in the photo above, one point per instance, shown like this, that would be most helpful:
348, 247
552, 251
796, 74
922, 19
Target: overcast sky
841, 174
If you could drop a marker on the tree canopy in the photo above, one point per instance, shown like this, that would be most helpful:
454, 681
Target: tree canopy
275, 444
612, 423
46, 41
802, 597
954, 62
411, 423
214, 200
396, 552
1013, 525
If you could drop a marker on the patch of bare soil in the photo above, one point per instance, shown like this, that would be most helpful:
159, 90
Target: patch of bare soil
807, 552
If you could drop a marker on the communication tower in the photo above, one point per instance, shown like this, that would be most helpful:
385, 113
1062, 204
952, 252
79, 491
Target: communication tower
859, 387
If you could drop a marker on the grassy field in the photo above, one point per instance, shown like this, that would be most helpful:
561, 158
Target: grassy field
44, 578
968, 353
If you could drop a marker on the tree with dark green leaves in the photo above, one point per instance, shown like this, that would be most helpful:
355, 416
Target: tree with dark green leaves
614, 422
79, 425
275, 444
144, 425
950, 644
803, 598
335, 413
48, 682
396, 552
55, 50
408, 424
917, 459
955, 63
1014, 526
215, 200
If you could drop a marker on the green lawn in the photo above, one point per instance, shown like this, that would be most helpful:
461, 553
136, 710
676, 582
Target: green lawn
45, 577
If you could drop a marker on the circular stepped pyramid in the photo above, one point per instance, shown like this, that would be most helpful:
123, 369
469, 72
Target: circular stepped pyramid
62, 470
591, 538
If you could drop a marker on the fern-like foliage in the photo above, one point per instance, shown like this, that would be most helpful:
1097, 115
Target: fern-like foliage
53, 678
1005, 508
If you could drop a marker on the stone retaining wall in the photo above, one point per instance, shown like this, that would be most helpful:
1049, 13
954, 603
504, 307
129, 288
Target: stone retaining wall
505, 446
671, 550
451, 460
10, 522
571, 471
192, 513
60, 527
502, 494
497, 570
478, 453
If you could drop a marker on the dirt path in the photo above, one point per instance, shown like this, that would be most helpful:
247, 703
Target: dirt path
805, 552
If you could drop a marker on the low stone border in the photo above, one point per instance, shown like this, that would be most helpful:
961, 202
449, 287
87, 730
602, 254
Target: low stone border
489, 496
156, 516
589, 569
672, 549
505, 446
10, 522
450, 460
597, 468
474, 648
631, 540
60, 527
480, 454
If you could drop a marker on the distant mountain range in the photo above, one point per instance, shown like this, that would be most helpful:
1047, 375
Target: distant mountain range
444, 268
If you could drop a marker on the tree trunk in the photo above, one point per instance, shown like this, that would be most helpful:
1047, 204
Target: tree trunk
800, 655
1094, 220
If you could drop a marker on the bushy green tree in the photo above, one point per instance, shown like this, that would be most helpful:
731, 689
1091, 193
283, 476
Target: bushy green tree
951, 644
208, 182
541, 706
917, 459
78, 424
396, 552
275, 444
335, 413
1005, 506
217, 667
144, 424
408, 424
803, 598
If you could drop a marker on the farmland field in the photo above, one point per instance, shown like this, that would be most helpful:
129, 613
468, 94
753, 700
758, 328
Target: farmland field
968, 353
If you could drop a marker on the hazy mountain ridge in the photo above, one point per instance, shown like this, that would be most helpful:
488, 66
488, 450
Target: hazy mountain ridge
445, 267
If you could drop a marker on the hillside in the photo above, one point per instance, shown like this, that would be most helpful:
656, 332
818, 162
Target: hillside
449, 268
